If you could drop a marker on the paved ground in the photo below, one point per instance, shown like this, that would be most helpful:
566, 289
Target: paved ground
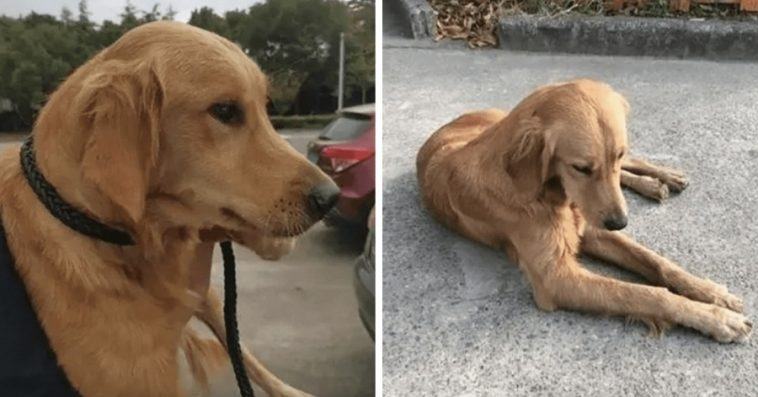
299, 314
459, 319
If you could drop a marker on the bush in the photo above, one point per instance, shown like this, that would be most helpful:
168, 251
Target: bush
312, 121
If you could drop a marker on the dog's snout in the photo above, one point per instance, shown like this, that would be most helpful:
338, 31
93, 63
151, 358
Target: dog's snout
322, 198
615, 222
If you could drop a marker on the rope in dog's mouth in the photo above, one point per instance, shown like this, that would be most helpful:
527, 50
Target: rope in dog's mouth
87, 226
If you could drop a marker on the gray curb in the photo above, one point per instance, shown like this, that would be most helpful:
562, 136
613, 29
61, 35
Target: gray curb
421, 18
659, 37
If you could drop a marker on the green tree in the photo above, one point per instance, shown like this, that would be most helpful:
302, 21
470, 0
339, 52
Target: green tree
153, 15
26, 90
294, 41
207, 19
360, 52
67, 17
170, 14
129, 16
84, 13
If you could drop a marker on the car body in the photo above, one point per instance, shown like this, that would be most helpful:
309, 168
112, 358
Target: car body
346, 150
363, 280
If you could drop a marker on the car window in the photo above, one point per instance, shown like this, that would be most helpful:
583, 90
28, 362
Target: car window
345, 127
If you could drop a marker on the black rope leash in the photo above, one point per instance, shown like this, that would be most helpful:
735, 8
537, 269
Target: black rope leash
230, 320
83, 224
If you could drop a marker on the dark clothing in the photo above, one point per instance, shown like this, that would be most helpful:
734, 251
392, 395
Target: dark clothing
28, 366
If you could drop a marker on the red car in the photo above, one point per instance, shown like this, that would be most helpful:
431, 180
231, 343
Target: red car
345, 150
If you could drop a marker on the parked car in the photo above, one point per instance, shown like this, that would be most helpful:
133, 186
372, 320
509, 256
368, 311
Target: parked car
363, 280
345, 150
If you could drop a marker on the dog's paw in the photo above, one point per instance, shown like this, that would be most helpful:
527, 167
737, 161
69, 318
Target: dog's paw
657, 327
658, 191
721, 297
707, 291
674, 179
647, 186
731, 327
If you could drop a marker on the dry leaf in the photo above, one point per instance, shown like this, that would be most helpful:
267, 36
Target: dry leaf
472, 20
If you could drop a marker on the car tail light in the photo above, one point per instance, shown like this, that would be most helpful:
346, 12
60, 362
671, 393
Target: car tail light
339, 159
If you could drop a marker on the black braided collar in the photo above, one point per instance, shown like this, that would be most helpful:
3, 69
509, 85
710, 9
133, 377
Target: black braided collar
81, 223
60, 209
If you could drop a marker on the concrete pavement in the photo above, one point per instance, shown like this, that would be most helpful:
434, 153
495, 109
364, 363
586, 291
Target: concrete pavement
459, 320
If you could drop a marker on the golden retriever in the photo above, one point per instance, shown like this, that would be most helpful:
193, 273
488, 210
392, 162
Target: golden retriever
163, 134
543, 183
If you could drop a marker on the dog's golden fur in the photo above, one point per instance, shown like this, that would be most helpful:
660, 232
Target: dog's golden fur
128, 138
543, 183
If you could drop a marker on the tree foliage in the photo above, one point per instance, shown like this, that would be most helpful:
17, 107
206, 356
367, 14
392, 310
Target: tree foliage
296, 42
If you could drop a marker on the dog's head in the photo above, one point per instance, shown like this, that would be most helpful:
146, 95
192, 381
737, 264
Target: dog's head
173, 121
567, 141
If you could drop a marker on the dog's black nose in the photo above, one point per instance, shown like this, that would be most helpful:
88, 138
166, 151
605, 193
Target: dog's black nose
322, 198
617, 222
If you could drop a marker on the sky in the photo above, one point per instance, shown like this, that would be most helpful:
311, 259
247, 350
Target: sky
102, 10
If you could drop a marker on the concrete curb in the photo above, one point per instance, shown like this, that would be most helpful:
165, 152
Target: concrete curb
420, 16
635, 36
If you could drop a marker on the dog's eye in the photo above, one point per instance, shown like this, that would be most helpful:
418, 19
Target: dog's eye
584, 169
226, 112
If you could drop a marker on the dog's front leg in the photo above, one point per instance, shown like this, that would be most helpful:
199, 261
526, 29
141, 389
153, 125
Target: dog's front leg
210, 314
673, 178
645, 185
569, 286
619, 249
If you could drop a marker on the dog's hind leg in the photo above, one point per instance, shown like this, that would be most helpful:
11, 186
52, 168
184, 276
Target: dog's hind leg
673, 178
645, 185
567, 285
211, 314
619, 249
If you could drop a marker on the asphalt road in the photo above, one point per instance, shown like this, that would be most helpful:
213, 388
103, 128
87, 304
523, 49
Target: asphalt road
459, 320
299, 315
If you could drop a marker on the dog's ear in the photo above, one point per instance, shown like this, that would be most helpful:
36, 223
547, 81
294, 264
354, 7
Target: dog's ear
120, 107
528, 155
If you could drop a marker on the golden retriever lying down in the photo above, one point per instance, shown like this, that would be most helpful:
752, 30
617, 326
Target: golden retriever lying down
164, 134
543, 183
